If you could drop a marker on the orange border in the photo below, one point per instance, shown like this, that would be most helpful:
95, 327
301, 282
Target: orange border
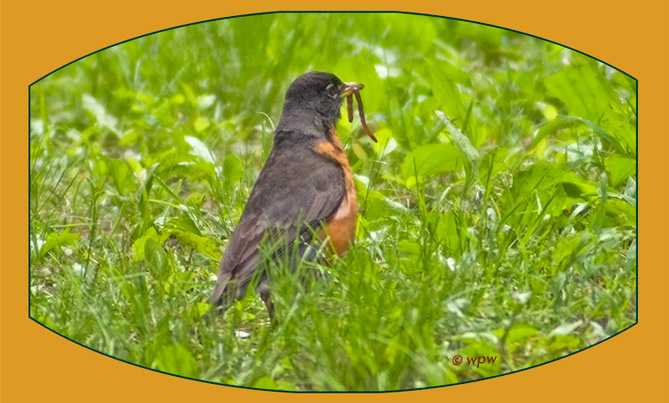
38, 38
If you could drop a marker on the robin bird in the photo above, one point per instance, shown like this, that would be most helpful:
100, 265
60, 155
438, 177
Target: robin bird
304, 193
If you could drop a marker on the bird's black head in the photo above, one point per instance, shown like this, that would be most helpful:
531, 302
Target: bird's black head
315, 97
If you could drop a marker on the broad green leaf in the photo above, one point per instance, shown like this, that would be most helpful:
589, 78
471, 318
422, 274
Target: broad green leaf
569, 248
201, 124
620, 168
447, 233
446, 91
200, 308
232, 169
360, 68
408, 247
624, 132
603, 134
386, 143
621, 142
199, 149
565, 343
138, 245
176, 359
206, 246
585, 92
521, 332
536, 178
266, 382
375, 208
557, 201
590, 96
430, 159
121, 175
169, 191
183, 223
577, 188
155, 256
102, 116
620, 213
492, 163
189, 93
550, 127
55, 240
549, 111
196, 198
177, 99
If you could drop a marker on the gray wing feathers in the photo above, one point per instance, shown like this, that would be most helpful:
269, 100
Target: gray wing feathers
277, 200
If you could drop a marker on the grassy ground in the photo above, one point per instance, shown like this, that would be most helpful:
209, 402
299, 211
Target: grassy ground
498, 211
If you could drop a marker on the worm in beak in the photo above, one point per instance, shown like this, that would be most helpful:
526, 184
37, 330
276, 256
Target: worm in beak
349, 91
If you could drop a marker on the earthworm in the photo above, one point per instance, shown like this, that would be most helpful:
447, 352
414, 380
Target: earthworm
362, 115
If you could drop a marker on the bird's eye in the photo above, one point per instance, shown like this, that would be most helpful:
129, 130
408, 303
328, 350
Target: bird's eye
332, 90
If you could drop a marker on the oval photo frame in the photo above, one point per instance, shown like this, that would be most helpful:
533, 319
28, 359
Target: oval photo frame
498, 221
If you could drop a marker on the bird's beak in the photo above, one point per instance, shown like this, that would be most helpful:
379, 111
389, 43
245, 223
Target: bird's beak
349, 88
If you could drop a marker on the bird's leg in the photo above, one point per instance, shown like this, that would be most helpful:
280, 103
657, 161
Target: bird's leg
265, 296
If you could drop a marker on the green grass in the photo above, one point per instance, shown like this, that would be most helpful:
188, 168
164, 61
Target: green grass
498, 211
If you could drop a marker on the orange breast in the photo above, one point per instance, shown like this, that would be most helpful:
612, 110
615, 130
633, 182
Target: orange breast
341, 227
